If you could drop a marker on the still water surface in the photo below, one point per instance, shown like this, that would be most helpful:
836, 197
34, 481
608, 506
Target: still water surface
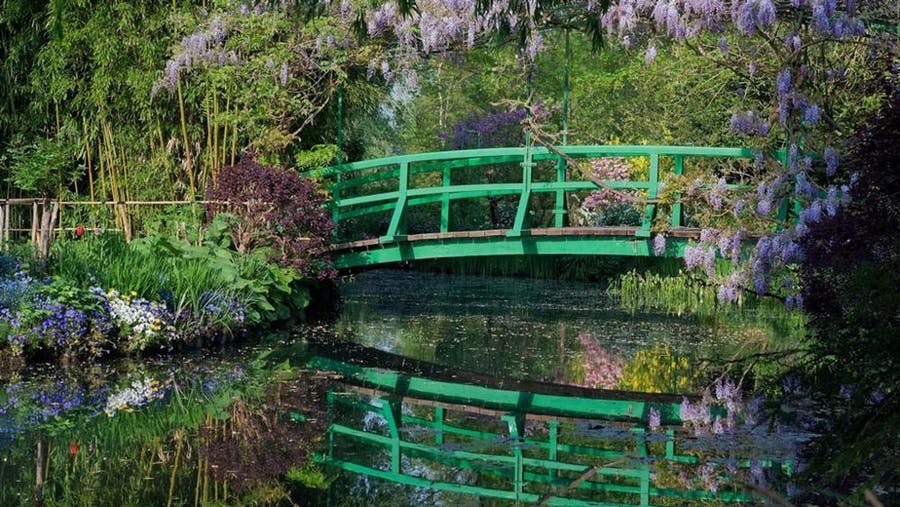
537, 330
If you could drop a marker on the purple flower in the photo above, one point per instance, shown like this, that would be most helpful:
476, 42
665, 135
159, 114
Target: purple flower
831, 161
791, 252
813, 213
812, 115
793, 42
822, 11
759, 158
717, 426
709, 262
793, 155
659, 244
650, 54
654, 419
783, 82
693, 256
756, 472
708, 235
723, 46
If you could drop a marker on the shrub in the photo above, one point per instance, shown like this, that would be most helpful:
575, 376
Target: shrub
276, 210
850, 277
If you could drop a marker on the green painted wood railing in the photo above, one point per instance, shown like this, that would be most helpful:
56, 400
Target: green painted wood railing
624, 464
403, 168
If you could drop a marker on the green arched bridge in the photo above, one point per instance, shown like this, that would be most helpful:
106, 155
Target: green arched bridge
542, 183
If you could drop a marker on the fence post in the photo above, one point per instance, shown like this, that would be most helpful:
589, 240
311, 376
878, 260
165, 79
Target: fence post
6, 221
35, 221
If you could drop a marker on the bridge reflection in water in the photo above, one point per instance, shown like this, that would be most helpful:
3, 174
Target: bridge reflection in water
525, 442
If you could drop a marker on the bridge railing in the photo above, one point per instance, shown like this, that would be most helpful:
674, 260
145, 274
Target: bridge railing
359, 188
616, 460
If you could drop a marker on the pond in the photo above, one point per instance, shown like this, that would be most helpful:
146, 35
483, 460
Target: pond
165, 430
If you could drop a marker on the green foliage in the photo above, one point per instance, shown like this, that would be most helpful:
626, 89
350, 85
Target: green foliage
43, 167
159, 268
320, 155
682, 294
309, 475
657, 370
109, 262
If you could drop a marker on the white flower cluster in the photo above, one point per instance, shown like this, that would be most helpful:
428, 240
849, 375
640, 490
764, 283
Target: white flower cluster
140, 393
146, 320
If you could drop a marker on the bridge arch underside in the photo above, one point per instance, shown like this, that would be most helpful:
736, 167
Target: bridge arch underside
608, 241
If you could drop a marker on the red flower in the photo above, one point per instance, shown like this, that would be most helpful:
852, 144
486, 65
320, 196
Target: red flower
79, 231
73, 449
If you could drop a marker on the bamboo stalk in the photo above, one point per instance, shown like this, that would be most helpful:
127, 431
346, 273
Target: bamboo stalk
188, 165
215, 150
199, 479
224, 134
204, 173
39, 473
234, 136
178, 445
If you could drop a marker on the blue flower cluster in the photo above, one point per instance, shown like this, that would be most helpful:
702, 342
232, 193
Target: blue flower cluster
27, 405
31, 319
59, 323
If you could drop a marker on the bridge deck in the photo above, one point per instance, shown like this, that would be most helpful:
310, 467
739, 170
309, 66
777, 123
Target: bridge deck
606, 232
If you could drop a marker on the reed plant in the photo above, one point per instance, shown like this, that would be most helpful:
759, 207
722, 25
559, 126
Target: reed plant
680, 294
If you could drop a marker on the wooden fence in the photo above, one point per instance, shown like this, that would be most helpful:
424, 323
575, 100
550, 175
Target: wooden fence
42, 221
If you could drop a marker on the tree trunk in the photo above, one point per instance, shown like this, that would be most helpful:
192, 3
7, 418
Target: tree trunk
49, 219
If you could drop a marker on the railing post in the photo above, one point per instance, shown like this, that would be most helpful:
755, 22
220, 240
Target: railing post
397, 228
559, 210
439, 425
330, 412
652, 192
516, 424
676, 208
670, 444
553, 451
336, 204
390, 410
645, 465
445, 199
522, 211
